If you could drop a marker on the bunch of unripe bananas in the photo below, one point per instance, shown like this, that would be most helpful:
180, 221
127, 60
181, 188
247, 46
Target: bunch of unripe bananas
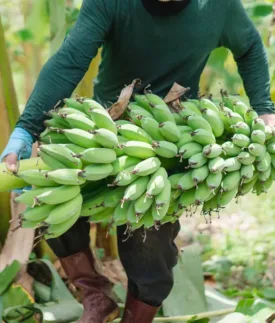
148, 168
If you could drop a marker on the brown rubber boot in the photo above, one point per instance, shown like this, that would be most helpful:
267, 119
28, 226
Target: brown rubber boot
99, 307
137, 311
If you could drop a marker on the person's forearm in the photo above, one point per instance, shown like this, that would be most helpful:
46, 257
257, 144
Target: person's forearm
253, 67
56, 81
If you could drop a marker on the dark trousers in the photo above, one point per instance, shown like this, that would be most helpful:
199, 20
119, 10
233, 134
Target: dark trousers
148, 260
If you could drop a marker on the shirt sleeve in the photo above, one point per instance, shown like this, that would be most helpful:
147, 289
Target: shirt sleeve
64, 70
242, 38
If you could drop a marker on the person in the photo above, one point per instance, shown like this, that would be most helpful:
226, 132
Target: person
159, 42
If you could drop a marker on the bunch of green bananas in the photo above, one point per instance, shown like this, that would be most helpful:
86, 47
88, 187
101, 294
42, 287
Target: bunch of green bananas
156, 163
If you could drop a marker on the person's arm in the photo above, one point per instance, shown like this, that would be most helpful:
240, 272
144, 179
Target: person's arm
242, 38
63, 71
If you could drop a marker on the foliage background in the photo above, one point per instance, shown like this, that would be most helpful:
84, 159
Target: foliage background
238, 250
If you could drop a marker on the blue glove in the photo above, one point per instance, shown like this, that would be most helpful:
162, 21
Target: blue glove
20, 144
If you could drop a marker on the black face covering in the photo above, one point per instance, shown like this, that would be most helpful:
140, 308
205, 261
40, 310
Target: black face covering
158, 8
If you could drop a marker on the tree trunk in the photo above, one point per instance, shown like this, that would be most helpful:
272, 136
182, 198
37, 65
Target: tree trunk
9, 114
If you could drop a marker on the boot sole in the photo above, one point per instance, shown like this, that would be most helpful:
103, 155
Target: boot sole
115, 314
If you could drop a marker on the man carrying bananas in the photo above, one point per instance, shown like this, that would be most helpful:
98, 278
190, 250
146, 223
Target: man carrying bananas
160, 42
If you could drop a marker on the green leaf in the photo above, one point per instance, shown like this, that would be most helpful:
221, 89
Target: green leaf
24, 35
194, 320
1, 309
8, 275
120, 292
14, 299
187, 296
63, 311
37, 22
262, 10
269, 293
250, 306
262, 315
59, 290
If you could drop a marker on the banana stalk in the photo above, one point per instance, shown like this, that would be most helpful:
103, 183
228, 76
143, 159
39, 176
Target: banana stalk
10, 182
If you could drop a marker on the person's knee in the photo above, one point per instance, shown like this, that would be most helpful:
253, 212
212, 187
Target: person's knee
155, 292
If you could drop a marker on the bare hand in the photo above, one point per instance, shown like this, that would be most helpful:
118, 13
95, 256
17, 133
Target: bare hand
269, 119
11, 162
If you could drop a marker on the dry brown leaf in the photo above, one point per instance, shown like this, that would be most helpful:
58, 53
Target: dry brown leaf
176, 92
118, 108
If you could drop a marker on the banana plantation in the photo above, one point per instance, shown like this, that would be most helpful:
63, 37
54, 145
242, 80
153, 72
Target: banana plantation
97, 185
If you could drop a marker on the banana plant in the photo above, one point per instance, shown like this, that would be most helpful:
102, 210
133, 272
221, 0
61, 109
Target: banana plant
9, 114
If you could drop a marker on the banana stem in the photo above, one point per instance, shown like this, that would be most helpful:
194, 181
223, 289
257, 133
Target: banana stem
186, 318
9, 181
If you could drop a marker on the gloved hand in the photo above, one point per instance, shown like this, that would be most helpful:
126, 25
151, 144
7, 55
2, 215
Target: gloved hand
18, 147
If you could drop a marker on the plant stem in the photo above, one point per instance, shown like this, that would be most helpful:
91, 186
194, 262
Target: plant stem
186, 318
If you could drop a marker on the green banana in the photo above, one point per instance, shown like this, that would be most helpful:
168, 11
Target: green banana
66, 176
135, 190
80, 122
198, 122
96, 172
187, 199
104, 216
165, 149
125, 177
241, 140
98, 155
164, 196
232, 164
185, 138
113, 197
250, 116
147, 166
190, 149
37, 213
203, 137
64, 211
103, 120
214, 180
27, 197
62, 154
138, 149
202, 193
258, 124
36, 177
258, 136
200, 174
50, 161
81, 138
123, 162
230, 149
133, 132
105, 138
256, 149
214, 121
57, 195
241, 128
143, 204
212, 150
56, 230
230, 181
169, 131
246, 158
186, 182
157, 182
197, 160
151, 126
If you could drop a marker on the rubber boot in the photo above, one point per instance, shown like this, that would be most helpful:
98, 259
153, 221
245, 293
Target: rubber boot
99, 307
138, 312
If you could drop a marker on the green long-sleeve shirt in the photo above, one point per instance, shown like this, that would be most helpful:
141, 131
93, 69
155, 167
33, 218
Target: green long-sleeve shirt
158, 50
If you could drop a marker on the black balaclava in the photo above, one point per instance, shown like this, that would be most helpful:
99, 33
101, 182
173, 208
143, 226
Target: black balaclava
165, 8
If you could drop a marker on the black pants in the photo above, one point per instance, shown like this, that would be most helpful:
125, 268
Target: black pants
148, 261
